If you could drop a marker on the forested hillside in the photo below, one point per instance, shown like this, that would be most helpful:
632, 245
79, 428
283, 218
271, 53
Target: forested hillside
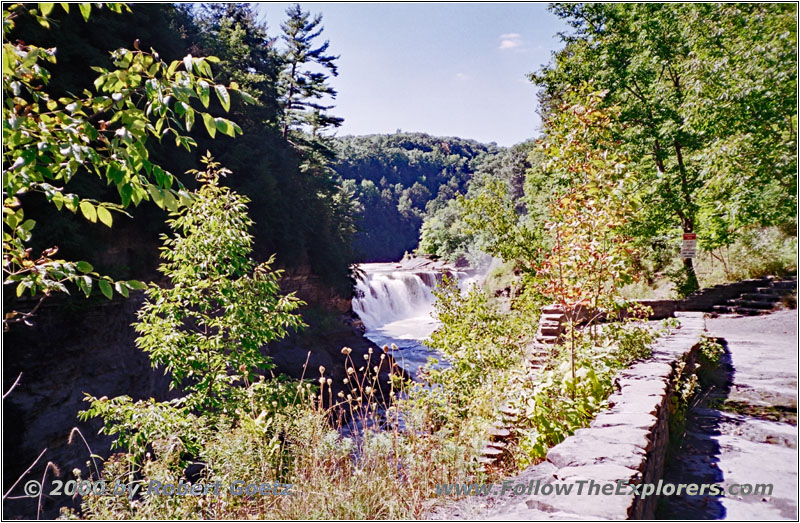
397, 179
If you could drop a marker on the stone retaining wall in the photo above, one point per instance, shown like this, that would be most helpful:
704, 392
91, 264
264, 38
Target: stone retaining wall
705, 299
628, 442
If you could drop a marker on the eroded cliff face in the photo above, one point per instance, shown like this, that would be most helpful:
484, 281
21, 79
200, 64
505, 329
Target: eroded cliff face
79, 346
311, 289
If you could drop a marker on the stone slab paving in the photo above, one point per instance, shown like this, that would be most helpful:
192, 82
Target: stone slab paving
739, 434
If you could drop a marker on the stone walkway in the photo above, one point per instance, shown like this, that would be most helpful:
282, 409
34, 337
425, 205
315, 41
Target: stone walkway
745, 430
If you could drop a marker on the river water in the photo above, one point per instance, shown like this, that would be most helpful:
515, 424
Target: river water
396, 305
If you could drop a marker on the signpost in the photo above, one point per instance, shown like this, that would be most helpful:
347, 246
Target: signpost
689, 247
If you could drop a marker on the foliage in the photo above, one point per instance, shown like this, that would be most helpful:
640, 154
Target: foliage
492, 213
207, 329
399, 180
590, 256
477, 343
708, 99
492, 217
305, 215
48, 140
303, 89
555, 402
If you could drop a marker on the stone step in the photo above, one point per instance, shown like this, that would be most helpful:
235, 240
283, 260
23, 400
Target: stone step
785, 284
757, 296
745, 311
491, 452
552, 309
499, 433
770, 291
547, 340
751, 304
549, 329
553, 317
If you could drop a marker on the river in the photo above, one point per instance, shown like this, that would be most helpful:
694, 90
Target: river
396, 303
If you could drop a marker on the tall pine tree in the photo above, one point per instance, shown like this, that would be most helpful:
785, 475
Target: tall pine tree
304, 83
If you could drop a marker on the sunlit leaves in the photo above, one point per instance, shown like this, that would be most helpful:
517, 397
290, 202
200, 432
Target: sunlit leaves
224, 97
230, 306
49, 140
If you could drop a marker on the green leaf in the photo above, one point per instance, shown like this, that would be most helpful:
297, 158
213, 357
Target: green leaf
224, 126
121, 288
187, 63
189, 119
86, 9
211, 125
83, 266
224, 97
157, 195
136, 285
88, 210
204, 92
105, 288
104, 216
46, 8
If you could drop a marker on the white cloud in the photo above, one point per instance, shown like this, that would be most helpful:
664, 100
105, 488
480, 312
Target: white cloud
462, 76
510, 41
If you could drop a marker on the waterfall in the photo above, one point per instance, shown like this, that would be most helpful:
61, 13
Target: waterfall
385, 297
395, 301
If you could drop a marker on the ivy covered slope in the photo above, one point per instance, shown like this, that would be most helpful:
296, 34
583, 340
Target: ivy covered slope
397, 179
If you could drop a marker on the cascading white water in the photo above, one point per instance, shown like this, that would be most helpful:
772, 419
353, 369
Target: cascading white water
396, 306
386, 297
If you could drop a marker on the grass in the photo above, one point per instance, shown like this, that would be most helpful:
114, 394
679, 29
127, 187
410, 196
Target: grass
757, 253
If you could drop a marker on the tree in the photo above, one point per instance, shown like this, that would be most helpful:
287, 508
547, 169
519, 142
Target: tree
590, 255
302, 89
208, 326
49, 140
708, 100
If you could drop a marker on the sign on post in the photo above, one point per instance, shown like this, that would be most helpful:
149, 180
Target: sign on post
689, 247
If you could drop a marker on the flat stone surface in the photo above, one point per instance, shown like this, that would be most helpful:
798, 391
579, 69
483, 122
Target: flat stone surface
758, 374
614, 418
619, 434
587, 450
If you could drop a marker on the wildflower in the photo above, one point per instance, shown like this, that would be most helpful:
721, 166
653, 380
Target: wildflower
346, 350
368, 390
350, 370
321, 370
341, 394
329, 382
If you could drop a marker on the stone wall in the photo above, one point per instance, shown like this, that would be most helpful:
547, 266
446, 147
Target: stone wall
705, 299
628, 442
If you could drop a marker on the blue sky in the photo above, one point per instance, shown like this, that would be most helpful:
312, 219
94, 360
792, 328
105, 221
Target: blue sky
447, 69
